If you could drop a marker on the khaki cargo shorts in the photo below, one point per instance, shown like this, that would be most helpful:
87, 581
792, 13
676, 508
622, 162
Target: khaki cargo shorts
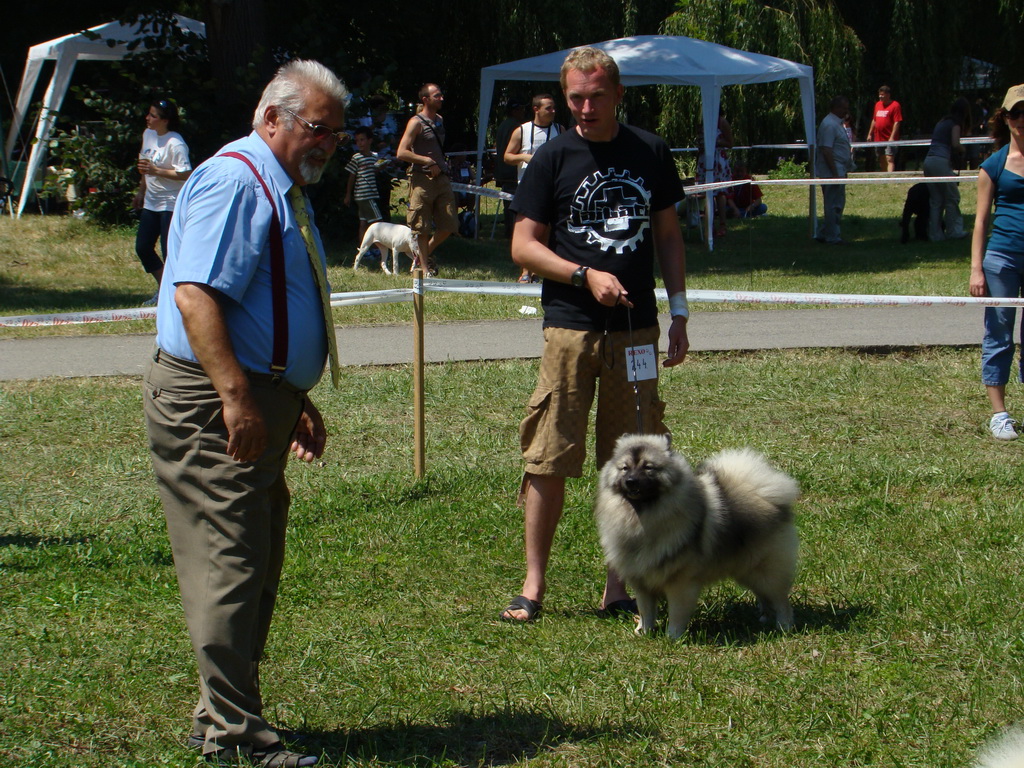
553, 435
431, 205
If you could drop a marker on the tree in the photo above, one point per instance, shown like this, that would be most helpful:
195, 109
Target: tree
236, 35
918, 47
805, 31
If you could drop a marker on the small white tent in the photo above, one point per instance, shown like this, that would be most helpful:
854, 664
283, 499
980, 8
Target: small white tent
665, 60
107, 42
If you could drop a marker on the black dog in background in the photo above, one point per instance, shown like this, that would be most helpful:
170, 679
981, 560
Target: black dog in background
917, 205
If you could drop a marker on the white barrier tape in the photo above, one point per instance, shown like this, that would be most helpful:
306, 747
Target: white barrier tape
919, 142
480, 191
842, 299
698, 189
534, 289
370, 297
742, 297
860, 180
78, 318
482, 287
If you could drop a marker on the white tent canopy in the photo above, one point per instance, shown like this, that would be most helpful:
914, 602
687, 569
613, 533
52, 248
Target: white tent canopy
665, 60
107, 42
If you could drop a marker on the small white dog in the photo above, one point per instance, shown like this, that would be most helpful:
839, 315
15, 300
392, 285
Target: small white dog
391, 239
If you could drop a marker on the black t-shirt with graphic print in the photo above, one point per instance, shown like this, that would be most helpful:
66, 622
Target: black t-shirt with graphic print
597, 199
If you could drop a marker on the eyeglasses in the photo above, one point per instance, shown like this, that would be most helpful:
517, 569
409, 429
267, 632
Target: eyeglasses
320, 132
1015, 114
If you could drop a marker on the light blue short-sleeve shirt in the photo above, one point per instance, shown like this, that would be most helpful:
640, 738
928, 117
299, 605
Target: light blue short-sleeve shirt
832, 134
220, 237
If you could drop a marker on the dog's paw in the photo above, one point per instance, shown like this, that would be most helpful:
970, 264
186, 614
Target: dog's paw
645, 629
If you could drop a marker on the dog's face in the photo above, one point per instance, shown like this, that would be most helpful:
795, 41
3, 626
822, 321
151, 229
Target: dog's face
642, 468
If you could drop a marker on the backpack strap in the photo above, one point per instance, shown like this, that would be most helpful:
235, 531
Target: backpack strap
279, 295
424, 123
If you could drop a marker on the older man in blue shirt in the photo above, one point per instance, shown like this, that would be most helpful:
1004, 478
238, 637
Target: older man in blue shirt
833, 161
242, 335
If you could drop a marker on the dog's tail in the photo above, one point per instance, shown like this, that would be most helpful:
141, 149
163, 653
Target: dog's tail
746, 472
1005, 752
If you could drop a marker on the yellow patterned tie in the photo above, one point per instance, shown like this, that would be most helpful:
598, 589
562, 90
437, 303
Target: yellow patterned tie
298, 201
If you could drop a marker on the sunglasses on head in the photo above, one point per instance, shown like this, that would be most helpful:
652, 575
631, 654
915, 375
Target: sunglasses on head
320, 132
1015, 114
164, 104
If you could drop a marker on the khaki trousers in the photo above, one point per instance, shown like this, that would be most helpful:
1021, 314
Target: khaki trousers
553, 435
226, 521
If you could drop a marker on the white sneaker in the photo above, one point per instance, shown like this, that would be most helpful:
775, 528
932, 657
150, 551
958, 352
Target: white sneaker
1002, 427
151, 302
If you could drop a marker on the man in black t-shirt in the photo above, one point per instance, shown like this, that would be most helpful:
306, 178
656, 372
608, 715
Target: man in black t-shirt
595, 207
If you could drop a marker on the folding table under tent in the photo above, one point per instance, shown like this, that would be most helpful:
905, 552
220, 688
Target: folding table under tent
107, 42
666, 60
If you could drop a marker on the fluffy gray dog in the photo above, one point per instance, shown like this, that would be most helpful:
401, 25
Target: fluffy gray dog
671, 531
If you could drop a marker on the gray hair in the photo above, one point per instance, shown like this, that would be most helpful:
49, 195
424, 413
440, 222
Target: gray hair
290, 87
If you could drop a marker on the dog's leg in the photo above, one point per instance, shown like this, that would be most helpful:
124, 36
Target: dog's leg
359, 257
363, 248
777, 604
647, 606
772, 579
682, 598
385, 252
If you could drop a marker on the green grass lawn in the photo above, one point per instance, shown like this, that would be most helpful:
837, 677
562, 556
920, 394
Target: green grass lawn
61, 264
386, 649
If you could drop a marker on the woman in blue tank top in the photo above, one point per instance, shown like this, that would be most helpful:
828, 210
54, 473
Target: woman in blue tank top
997, 267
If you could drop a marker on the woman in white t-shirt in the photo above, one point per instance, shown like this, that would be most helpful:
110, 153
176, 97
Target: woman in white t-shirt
164, 166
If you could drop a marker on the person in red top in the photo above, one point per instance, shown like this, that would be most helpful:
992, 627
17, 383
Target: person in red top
885, 126
746, 201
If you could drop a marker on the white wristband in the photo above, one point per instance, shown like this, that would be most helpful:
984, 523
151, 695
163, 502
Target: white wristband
677, 306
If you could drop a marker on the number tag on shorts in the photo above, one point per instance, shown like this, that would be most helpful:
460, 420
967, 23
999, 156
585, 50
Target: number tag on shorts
641, 363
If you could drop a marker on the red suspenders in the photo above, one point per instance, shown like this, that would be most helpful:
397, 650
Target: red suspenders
279, 300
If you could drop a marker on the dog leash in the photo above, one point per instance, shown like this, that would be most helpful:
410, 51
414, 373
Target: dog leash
632, 361
608, 357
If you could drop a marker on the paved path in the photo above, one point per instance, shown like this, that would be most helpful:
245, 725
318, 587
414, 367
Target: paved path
854, 327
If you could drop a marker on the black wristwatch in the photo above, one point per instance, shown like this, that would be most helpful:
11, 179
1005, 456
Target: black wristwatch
579, 277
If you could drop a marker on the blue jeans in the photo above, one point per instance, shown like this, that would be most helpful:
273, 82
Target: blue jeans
833, 197
1004, 276
153, 226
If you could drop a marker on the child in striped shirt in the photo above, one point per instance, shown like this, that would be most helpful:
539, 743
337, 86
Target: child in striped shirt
362, 169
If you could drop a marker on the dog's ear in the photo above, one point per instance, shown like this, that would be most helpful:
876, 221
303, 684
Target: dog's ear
668, 440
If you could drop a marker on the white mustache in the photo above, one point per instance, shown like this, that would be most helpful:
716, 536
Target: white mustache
312, 171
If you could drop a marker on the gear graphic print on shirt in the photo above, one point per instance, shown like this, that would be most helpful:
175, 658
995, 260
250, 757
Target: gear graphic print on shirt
613, 209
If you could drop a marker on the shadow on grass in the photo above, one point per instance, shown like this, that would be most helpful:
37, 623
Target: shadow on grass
31, 541
35, 300
784, 242
738, 622
104, 554
506, 738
